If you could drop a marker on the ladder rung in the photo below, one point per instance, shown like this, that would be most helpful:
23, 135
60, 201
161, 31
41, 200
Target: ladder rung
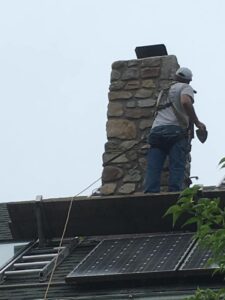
41, 256
22, 272
59, 248
31, 264
44, 250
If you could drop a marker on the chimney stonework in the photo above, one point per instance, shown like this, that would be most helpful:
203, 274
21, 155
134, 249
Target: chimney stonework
134, 87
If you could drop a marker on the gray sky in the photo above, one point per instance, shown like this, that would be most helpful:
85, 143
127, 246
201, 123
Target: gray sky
55, 66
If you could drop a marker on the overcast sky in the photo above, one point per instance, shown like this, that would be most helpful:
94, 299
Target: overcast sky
55, 66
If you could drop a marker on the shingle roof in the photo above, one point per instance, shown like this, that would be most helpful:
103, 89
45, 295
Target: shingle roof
30, 288
5, 233
163, 288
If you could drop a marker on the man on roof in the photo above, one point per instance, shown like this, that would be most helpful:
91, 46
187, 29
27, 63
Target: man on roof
169, 133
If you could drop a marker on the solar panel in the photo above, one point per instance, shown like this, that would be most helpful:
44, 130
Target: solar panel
197, 259
131, 257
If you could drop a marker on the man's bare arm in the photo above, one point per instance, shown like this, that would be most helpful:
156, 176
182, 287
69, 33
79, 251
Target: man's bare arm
190, 111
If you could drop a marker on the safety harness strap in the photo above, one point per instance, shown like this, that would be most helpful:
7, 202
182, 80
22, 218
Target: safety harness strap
163, 106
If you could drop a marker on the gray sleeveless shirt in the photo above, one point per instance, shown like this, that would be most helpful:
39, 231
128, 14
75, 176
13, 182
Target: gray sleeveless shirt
167, 116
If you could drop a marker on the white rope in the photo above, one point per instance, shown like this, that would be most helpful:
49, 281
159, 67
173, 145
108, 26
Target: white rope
63, 234
68, 216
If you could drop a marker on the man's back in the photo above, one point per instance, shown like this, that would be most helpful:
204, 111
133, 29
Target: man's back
167, 115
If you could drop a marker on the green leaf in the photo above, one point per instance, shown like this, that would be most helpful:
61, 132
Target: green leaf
209, 217
176, 211
172, 209
222, 163
192, 220
192, 191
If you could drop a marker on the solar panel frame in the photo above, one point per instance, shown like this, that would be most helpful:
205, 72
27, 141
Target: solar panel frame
133, 258
197, 259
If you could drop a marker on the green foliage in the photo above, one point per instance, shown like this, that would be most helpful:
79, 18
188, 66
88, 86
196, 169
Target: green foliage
222, 162
209, 218
208, 295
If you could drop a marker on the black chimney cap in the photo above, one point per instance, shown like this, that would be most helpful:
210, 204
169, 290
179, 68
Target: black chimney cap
150, 51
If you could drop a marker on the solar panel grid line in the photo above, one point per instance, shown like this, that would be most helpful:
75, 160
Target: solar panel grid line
112, 259
153, 257
197, 259
86, 257
104, 259
162, 258
186, 252
132, 256
148, 255
176, 250
125, 256
136, 257
126, 262
187, 259
143, 256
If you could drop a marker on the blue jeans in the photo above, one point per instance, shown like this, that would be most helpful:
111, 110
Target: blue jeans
166, 141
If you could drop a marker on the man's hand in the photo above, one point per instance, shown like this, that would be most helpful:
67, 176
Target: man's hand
200, 126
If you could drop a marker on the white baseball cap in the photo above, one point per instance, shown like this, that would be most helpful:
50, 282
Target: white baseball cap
184, 73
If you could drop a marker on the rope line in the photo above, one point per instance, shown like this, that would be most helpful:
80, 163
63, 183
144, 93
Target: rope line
121, 153
69, 212
63, 234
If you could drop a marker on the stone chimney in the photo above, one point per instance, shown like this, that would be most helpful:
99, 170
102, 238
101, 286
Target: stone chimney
133, 91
